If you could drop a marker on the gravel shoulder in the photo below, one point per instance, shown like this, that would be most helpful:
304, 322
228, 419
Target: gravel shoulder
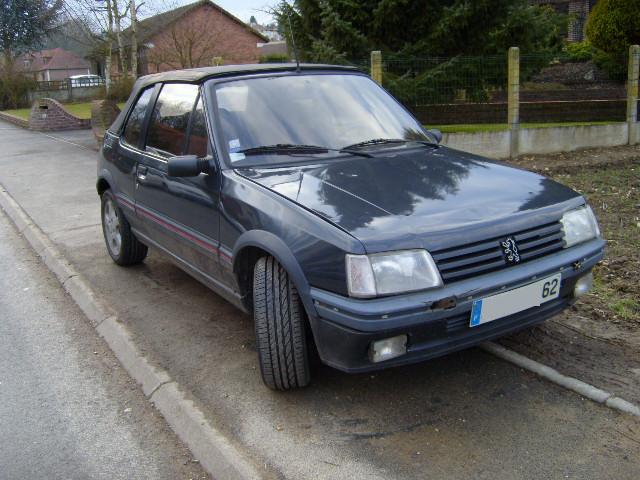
598, 340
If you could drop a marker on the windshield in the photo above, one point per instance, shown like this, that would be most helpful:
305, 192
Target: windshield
319, 110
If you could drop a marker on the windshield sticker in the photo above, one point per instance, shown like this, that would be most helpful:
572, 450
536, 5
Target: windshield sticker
236, 157
234, 145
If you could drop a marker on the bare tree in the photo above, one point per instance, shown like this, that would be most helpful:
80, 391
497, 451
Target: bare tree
134, 38
192, 41
109, 48
117, 21
95, 21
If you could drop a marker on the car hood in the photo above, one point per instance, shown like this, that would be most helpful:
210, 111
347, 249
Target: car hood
419, 197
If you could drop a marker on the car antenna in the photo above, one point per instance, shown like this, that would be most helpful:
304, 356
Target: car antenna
293, 44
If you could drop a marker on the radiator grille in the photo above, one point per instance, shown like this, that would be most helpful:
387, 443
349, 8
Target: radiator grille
470, 260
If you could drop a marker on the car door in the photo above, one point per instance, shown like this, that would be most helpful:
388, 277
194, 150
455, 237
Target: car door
179, 215
124, 152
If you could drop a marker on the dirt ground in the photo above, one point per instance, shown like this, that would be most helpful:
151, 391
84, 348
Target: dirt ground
598, 339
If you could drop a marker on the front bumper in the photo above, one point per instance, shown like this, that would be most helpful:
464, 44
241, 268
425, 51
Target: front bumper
345, 327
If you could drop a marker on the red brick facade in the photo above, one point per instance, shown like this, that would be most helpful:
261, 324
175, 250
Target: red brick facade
202, 36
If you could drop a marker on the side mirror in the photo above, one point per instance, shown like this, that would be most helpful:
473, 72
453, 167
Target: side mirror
187, 166
437, 134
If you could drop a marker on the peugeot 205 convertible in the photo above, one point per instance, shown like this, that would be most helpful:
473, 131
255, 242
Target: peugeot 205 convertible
311, 199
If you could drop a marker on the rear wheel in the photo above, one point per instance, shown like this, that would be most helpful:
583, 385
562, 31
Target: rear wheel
280, 327
122, 245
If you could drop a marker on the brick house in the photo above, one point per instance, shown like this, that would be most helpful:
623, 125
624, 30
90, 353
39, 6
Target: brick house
53, 64
196, 35
578, 10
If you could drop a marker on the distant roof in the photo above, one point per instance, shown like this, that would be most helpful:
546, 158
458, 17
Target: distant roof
54, 59
198, 74
152, 25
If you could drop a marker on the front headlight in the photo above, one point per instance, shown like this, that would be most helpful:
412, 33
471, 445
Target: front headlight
579, 225
389, 273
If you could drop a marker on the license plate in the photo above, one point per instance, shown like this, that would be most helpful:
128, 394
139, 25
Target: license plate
507, 303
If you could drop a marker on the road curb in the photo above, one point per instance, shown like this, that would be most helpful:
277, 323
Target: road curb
570, 383
217, 454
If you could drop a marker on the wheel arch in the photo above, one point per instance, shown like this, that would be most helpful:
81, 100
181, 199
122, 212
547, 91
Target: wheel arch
256, 243
104, 182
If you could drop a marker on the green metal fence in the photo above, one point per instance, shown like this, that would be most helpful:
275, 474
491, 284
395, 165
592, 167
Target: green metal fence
473, 90
557, 88
449, 90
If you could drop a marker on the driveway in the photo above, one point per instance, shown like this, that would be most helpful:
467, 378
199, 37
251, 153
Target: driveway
467, 415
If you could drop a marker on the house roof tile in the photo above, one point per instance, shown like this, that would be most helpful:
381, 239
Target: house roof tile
53, 59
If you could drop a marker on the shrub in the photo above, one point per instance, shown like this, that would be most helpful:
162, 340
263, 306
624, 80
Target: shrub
14, 91
274, 58
613, 25
120, 90
614, 65
580, 51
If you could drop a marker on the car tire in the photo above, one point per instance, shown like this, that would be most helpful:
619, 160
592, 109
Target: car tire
280, 327
123, 246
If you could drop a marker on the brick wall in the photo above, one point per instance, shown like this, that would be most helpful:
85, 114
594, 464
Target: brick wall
49, 114
21, 122
212, 33
200, 38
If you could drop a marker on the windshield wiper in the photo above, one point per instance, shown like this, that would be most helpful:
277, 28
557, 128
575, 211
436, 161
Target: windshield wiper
386, 141
290, 148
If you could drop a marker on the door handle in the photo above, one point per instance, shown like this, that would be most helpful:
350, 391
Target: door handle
142, 172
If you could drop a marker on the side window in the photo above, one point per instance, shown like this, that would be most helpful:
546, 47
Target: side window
198, 134
133, 129
170, 118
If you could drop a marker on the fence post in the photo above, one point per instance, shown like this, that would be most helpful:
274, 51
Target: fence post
376, 66
69, 89
513, 99
632, 94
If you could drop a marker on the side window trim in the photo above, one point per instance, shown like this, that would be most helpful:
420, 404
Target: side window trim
145, 122
147, 116
212, 147
187, 138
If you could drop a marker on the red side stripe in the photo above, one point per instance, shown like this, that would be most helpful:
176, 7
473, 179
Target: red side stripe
179, 231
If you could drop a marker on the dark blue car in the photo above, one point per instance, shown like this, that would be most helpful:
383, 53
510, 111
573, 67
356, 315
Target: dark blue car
314, 201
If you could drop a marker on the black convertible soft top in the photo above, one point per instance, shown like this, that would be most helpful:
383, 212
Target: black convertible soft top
196, 75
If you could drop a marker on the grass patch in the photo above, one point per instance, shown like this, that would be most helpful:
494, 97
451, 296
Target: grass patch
626, 308
614, 193
499, 127
80, 110
20, 113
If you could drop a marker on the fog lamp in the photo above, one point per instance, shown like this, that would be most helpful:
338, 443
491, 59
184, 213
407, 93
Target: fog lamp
388, 348
583, 285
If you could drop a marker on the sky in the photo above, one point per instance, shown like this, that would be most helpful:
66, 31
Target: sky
243, 9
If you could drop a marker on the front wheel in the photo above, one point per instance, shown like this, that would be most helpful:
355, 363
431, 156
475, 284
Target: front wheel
280, 327
122, 245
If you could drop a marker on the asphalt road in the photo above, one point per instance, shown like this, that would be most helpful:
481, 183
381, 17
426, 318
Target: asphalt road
467, 415
67, 410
